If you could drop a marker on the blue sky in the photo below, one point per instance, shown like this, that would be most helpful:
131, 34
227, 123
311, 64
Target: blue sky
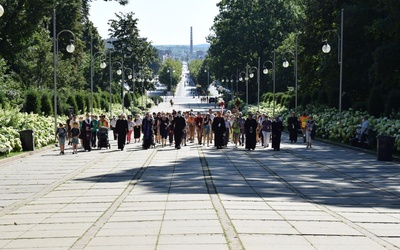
163, 22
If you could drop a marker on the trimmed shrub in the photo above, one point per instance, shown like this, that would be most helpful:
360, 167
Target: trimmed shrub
393, 103
376, 104
71, 101
81, 103
46, 104
32, 101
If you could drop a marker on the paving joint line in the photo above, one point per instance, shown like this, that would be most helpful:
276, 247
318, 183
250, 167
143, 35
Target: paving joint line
230, 232
85, 239
50, 187
349, 223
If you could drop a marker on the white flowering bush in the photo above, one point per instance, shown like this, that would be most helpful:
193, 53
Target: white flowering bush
12, 121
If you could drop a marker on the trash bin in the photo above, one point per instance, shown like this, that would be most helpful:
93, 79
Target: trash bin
27, 140
385, 147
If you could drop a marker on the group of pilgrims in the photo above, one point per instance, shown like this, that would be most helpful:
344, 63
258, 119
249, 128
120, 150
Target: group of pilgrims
216, 129
177, 128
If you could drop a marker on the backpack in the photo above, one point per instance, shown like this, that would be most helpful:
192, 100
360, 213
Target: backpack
61, 132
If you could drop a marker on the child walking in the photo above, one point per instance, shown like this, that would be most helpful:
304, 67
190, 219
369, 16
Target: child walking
75, 133
62, 136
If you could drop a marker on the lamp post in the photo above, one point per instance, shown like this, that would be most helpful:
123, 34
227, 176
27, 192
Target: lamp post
326, 48
207, 70
1, 10
265, 71
258, 81
111, 77
285, 64
70, 49
130, 76
102, 66
233, 79
246, 78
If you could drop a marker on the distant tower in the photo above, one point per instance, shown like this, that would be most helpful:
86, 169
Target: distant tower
191, 40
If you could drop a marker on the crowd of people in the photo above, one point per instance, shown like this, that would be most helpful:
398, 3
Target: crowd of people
178, 129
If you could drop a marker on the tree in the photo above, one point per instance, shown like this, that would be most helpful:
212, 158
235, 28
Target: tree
246, 30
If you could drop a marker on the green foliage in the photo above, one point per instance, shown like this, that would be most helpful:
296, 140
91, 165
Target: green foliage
127, 100
393, 103
46, 104
32, 101
170, 73
376, 106
72, 102
81, 103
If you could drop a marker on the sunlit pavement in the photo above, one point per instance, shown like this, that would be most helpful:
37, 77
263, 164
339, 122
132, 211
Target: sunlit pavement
198, 197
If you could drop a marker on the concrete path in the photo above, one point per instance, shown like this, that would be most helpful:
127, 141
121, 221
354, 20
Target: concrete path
199, 197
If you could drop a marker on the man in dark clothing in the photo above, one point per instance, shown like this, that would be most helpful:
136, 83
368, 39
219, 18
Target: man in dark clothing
147, 129
250, 126
87, 127
276, 133
179, 125
218, 127
121, 129
293, 127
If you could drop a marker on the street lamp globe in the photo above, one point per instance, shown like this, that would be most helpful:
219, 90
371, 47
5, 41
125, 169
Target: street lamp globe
70, 48
265, 71
119, 72
285, 64
1, 10
129, 77
326, 48
103, 65
241, 79
251, 75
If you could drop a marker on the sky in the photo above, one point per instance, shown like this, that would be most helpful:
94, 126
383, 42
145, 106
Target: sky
163, 22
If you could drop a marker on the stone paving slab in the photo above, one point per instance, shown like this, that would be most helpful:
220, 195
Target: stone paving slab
200, 198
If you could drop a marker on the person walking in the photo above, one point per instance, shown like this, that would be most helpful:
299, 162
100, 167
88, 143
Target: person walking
179, 125
147, 129
137, 128
130, 130
198, 123
293, 127
75, 133
276, 133
242, 130
236, 131
113, 123
310, 128
164, 128
62, 136
121, 129
218, 127
303, 121
250, 126
87, 127
266, 130
95, 127
206, 129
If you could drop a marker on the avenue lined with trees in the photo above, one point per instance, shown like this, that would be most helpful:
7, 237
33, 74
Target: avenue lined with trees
247, 38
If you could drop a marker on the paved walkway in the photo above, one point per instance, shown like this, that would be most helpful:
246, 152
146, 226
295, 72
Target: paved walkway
198, 197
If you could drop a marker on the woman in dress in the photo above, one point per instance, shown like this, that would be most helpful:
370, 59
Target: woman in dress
137, 128
130, 129
163, 124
